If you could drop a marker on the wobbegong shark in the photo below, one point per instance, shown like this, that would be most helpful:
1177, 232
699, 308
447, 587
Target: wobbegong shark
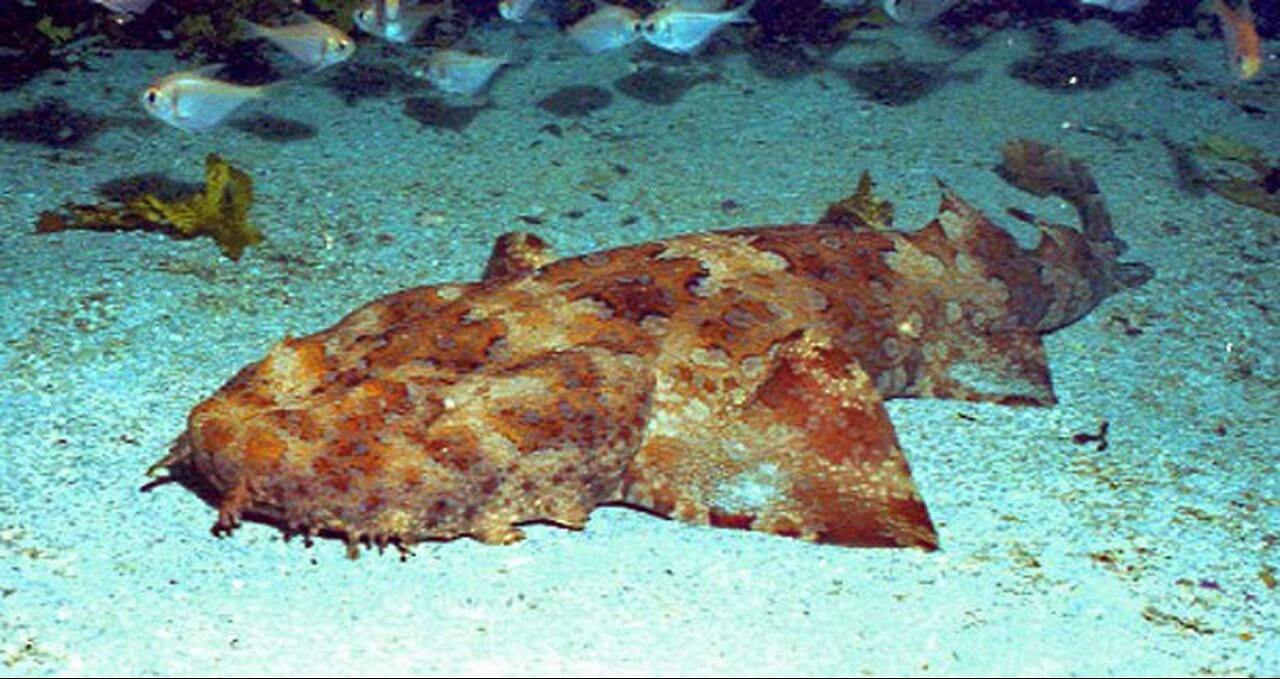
733, 378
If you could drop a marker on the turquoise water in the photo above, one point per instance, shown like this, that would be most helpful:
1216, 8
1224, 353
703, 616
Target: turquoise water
1153, 555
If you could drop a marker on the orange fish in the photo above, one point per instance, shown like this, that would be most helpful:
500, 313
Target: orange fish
1243, 45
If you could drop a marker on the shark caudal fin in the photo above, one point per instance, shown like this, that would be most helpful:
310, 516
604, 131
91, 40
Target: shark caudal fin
1081, 267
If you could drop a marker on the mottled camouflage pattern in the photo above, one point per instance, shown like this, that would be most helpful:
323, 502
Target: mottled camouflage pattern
734, 378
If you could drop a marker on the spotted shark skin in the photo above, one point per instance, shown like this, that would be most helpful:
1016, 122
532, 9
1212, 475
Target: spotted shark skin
731, 378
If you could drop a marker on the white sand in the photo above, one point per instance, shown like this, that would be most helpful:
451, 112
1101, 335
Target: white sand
1148, 558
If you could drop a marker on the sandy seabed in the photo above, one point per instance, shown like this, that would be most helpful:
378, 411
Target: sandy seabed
1155, 556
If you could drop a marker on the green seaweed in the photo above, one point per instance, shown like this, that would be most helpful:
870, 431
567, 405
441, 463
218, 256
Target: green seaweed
1261, 191
216, 31
56, 34
198, 33
1223, 147
1249, 193
340, 13
220, 211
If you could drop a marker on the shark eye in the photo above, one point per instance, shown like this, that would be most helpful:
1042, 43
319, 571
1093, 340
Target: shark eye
151, 96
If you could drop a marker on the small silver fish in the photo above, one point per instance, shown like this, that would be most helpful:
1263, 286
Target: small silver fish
694, 5
680, 30
1117, 5
396, 21
132, 7
312, 42
194, 101
846, 4
460, 72
608, 28
515, 10
916, 12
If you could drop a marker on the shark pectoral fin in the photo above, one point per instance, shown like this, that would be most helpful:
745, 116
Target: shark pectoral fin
807, 451
517, 253
1007, 367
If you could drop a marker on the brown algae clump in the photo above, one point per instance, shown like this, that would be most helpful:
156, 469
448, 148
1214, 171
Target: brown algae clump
220, 212
862, 209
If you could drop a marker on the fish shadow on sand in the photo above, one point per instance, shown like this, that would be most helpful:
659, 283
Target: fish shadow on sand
778, 60
162, 186
53, 123
899, 82
21, 66
356, 82
576, 101
1091, 68
660, 86
436, 113
274, 128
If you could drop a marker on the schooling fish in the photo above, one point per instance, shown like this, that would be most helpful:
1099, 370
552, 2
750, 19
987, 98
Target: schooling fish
1243, 45
677, 29
916, 12
608, 28
515, 10
396, 21
459, 72
131, 7
1117, 5
194, 101
312, 42
694, 5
